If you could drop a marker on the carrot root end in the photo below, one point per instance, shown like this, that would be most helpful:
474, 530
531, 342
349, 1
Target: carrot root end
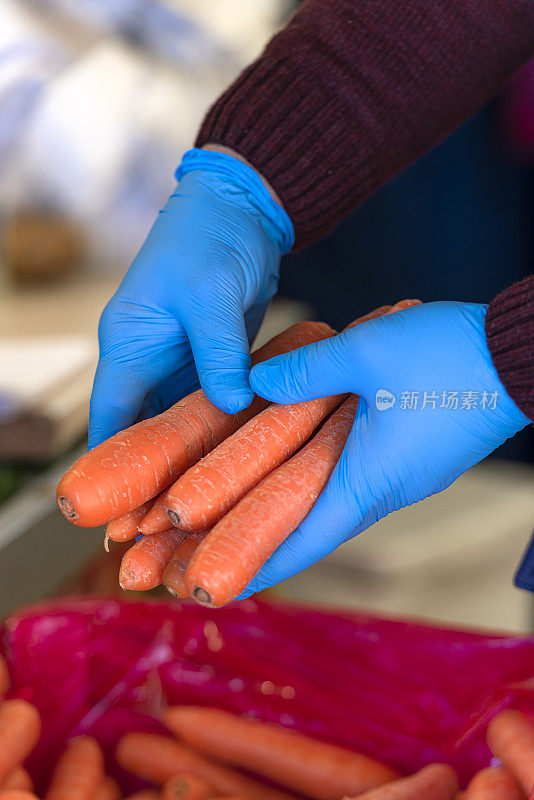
67, 509
174, 518
202, 596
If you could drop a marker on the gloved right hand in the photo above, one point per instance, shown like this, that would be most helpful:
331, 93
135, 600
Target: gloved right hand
193, 298
431, 406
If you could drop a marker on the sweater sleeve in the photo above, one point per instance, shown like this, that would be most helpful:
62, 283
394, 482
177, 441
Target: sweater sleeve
352, 91
510, 337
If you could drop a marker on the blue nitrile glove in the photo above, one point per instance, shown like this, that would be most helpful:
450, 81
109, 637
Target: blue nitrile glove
193, 298
405, 444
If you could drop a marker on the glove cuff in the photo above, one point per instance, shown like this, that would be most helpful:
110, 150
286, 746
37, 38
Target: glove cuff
275, 220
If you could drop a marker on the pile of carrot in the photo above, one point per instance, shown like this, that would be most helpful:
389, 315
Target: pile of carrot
211, 754
213, 494
210, 746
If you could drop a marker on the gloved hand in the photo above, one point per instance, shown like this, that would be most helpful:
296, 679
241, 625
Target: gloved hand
431, 406
193, 298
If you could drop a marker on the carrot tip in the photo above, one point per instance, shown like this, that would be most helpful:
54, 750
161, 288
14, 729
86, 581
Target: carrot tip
67, 509
201, 596
126, 580
174, 518
106, 542
170, 590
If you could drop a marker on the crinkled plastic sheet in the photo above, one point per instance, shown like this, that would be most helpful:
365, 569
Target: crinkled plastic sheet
400, 691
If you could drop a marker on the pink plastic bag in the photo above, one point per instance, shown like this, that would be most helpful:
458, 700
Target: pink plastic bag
405, 693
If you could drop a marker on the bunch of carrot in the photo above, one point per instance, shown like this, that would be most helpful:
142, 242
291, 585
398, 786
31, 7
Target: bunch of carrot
213, 494
79, 773
210, 745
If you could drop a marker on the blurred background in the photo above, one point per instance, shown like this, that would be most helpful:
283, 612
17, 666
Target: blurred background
98, 100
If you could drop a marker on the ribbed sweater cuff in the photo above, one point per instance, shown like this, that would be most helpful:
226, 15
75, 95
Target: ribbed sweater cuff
510, 336
351, 92
281, 126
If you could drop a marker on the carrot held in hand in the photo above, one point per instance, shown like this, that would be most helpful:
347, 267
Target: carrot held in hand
511, 739
316, 769
210, 488
79, 771
135, 465
156, 519
239, 545
143, 563
157, 758
174, 574
20, 727
125, 528
435, 782
383, 311
214, 485
493, 783
187, 786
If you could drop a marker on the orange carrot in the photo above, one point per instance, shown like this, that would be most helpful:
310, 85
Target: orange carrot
135, 465
79, 771
157, 758
435, 782
187, 786
17, 794
383, 311
493, 784
125, 528
243, 540
20, 727
209, 489
403, 304
4, 677
316, 769
174, 574
143, 564
156, 519
108, 789
203, 494
511, 739
374, 314
18, 778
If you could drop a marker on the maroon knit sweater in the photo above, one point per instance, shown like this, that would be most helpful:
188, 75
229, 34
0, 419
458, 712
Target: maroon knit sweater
352, 91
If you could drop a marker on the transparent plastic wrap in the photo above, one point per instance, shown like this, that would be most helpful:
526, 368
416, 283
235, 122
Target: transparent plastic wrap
403, 692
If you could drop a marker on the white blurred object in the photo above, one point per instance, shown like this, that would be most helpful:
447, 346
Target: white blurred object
101, 143
33, 368
106, 139
190, 32
29, 57
45, 384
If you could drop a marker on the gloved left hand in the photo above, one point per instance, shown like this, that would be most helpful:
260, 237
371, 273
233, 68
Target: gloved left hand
431, 405
193, 298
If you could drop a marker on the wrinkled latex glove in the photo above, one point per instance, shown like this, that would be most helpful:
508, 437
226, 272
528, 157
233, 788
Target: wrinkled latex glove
193, 298
404, 445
